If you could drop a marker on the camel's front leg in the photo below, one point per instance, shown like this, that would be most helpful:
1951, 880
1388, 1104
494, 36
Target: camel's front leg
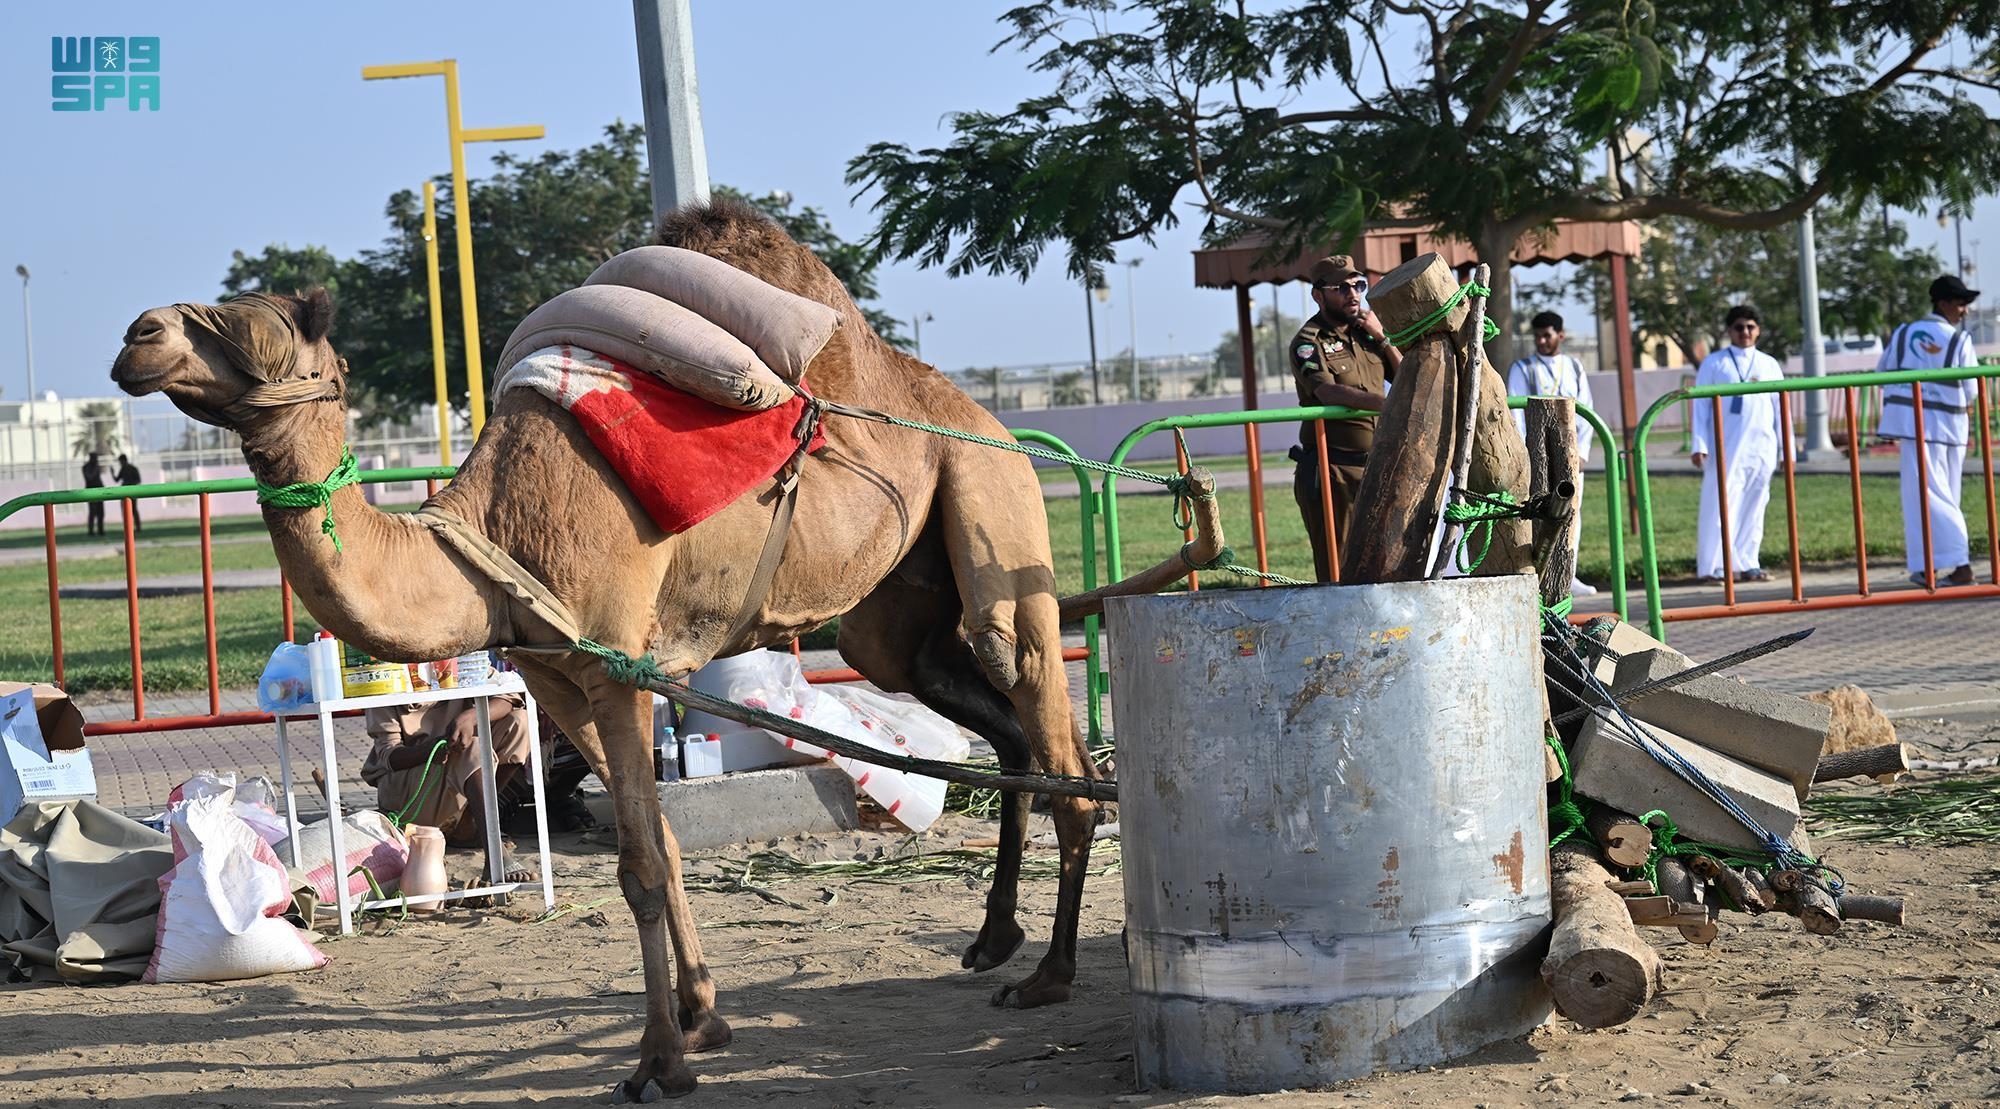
649, 874
702, 1027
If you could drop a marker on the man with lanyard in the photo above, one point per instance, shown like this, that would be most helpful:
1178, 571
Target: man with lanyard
1750, 438
1551, 373
1338, 358
1934, 342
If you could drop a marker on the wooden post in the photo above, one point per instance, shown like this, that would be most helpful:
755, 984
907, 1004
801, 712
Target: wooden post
1600, 973
1806, 899
1861, 906
1396, 509
1677, 883
1552, 478
1500, 463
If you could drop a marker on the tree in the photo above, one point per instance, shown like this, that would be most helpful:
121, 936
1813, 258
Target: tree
540, 226
1688, 274
1070, 390
1266, 333
99, 433
1312, 121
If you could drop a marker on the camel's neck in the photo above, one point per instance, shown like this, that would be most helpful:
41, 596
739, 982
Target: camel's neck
391, 588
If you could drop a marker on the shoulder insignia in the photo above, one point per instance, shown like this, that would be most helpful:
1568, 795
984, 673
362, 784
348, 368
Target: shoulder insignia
1305, 351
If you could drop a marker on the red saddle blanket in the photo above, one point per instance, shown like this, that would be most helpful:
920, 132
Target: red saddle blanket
683, 457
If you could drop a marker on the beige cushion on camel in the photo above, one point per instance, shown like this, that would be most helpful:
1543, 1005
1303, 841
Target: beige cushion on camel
653, 334
785, 329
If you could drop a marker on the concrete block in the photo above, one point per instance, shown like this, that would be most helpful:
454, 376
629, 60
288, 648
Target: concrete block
1624, 639
1611, 769
1772, 731
752, 805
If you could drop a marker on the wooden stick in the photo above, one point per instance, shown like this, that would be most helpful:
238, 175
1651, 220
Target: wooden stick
1624, 841
1677, 883
1862, 906
1204, 547
1759, 887
1552, 462
1664, 912
1629, 889
1727, 879
1598, 970
1500, 462
1889, 758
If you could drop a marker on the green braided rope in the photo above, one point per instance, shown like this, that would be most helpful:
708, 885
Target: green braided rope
1565, 813
1667, 842
1443, 310
423, 783
315, 494
1174, 482
1479, 511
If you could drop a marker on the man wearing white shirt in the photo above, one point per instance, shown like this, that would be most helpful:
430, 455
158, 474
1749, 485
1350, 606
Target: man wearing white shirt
1934, 342
1750, 437
1551, 373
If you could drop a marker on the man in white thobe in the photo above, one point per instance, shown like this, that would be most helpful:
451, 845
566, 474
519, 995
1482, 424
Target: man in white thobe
1934, 342
1750, 439
1551, 373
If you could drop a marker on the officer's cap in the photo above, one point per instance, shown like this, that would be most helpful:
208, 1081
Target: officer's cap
1333, 270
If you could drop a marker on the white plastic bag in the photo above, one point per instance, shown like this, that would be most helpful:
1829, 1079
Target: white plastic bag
371, 840
253, 803
222, 905
897, 723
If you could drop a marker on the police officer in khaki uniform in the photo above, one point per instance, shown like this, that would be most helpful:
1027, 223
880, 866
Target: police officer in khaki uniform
1338, 357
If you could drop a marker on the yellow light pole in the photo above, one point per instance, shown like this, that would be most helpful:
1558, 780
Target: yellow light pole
462, 207
437, 321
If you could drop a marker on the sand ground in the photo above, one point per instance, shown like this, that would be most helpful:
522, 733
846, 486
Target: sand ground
848, 992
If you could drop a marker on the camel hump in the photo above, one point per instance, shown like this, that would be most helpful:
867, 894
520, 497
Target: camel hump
653, 334
785, 329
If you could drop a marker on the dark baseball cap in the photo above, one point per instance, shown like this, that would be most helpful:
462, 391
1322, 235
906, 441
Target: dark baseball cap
1951, 289
1333, 270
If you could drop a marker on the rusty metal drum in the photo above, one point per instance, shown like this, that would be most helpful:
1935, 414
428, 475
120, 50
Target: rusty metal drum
1332, 811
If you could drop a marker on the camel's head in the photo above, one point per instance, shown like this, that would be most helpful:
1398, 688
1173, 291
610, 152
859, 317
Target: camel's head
220, 363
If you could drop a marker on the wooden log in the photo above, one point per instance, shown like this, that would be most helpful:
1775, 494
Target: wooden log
1629, 889
1598, 970
1396, 509
1727, 879
1800, 895
1759, 887
1414, 290
1677, 883
1862, 906
1621, 837
1500, 462
1664, 912
1889, 759
1552, 480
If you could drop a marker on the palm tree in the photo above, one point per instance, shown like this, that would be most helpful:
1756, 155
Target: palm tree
99, 434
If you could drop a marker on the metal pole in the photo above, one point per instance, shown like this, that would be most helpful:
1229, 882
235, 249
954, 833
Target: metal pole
675, 153
1132, 320
1958, 232
437, 322
917, 326
28, 331
1817, 438
1277, 334
1090, 315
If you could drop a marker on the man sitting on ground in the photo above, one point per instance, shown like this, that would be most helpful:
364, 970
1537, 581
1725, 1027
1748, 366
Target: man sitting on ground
452, 791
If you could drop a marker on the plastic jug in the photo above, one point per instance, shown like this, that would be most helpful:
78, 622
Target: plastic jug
425, 872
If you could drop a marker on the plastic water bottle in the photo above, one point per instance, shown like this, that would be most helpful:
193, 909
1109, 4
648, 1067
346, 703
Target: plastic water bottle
323, 664
666, 756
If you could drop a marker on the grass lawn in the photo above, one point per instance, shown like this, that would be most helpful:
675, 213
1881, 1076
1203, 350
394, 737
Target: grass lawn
248, 622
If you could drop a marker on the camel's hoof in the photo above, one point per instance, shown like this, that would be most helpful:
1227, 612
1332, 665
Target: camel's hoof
1032, 992
652, 1091
705, 1031
993, 948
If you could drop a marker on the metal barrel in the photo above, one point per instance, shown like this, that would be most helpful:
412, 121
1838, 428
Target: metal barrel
1335, 840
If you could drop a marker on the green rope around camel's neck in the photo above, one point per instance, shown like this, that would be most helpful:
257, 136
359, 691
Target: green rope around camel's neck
315, 494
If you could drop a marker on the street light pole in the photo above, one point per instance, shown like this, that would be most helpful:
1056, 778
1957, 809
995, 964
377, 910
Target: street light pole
461, 199
676, 156
1090, 315
28, 332
917, 327
1132, 320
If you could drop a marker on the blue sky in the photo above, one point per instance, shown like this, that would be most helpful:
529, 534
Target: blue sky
268, 134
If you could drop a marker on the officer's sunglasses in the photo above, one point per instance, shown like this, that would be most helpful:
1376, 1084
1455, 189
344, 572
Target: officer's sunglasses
1358, 286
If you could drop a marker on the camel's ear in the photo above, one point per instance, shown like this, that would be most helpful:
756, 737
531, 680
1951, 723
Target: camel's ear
315, 314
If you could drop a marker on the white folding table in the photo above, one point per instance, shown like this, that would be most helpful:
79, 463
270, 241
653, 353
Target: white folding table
501, 683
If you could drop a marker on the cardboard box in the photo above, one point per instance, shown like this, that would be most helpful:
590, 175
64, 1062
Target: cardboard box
42, 753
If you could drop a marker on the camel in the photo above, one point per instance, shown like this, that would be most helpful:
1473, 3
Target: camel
933, 553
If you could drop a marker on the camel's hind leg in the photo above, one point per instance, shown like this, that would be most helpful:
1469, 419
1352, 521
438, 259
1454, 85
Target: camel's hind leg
702, 1028
618, 745
904, 638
